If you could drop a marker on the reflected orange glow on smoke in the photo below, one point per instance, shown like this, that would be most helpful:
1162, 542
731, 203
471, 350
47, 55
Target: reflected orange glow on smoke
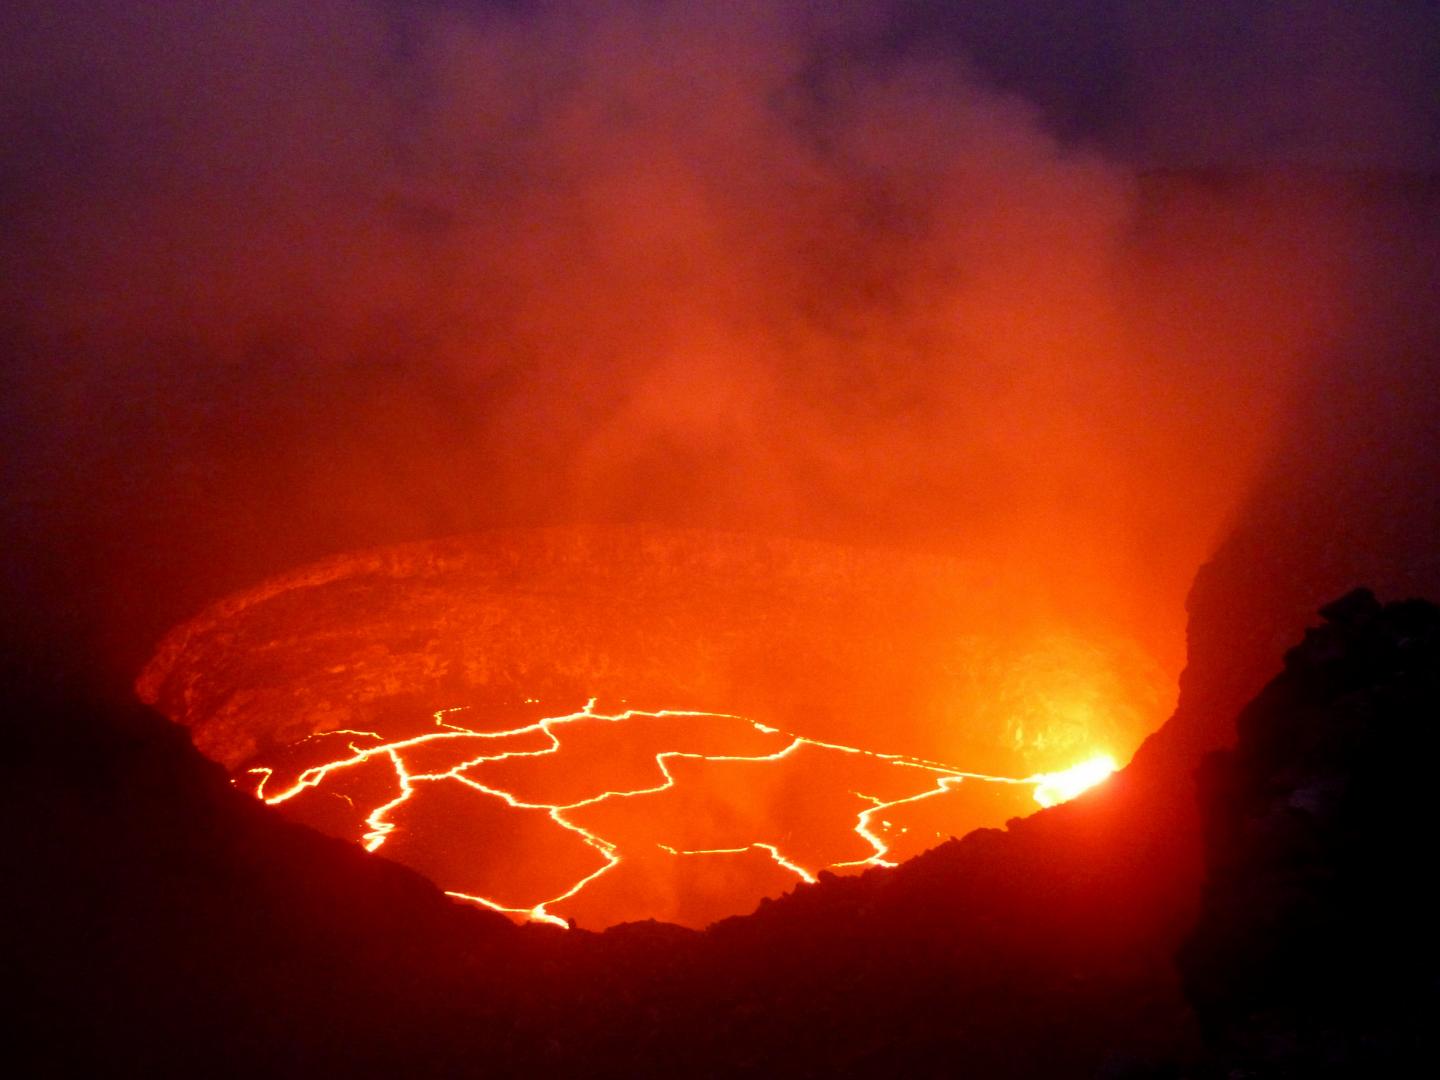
585, 263
608, 817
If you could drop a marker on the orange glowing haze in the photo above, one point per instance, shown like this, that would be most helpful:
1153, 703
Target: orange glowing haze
388, 276
603, 262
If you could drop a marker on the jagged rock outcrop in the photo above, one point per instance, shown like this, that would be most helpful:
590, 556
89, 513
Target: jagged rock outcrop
1316, 950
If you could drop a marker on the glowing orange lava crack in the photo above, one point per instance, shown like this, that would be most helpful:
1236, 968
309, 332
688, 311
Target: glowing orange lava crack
1049, 789
770, 849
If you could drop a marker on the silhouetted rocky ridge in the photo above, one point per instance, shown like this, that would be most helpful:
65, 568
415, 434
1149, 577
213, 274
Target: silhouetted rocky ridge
1316, 949
159, 917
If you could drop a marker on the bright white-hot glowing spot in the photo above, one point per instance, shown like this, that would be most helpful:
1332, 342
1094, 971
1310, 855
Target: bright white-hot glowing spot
1058, 787
451, 756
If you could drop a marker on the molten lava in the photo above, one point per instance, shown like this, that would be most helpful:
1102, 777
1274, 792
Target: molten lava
604, 817
1057, 787
799, 662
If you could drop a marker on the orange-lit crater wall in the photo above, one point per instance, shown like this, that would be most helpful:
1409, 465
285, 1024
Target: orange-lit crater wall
604, 724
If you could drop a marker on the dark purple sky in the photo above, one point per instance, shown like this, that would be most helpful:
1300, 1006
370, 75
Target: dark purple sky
1222, 82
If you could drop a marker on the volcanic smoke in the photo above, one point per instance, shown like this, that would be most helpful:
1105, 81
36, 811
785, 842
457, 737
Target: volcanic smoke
854, 425
338, 278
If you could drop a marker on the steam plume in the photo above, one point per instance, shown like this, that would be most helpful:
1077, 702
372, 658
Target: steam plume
286, 280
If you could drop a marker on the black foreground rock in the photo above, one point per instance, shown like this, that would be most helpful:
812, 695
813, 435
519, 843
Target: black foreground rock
162, 922
1316, 949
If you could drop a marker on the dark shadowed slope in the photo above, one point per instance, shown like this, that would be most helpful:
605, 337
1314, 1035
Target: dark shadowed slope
161, 918
1315, 954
